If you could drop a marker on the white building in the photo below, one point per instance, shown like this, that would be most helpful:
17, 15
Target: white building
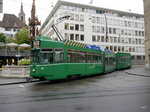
10, 24
115, 30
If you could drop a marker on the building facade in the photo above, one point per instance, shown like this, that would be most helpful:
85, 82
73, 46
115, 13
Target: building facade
110, 29
10, 24
1, 6
147, 32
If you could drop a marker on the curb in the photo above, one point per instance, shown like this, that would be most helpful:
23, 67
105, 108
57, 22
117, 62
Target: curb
22, 82
137, 74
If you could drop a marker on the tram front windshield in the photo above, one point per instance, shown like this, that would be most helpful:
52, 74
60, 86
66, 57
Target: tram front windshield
41, 57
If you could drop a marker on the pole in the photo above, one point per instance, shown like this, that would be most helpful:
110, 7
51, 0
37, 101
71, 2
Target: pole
106, 26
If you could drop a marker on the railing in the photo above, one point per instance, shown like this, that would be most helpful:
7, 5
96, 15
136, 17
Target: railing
14, 53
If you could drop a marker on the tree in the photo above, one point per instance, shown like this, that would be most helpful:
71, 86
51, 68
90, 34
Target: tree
10, 39
22, 36
2, 38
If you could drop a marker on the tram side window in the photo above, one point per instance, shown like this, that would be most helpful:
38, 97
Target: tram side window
59, 56
123, 59
46, 56
82, 58
112, 61
106, 61
88, 58
72, 57
75, 56
96, 59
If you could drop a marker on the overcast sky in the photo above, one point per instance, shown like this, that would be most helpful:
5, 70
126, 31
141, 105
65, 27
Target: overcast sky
43, 7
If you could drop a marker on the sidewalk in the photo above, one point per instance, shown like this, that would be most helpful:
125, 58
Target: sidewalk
9, 81
139, 71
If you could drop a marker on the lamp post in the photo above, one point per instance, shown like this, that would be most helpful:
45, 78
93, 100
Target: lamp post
106, 33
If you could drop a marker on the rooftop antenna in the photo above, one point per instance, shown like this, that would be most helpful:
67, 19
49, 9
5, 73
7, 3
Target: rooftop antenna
52, 4
91, 2
129, 10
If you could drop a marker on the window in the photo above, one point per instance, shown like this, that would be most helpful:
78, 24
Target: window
77, 27
82, 27
102, 38
114, 30
129, 40
136, 41
72, 17
76, 17
66, 26
75, 56
14, 30
122, 31
77, 37
98, 29
7, 29
142, 33
94, 38
139, 41
110, 61
119, 49
107, 39
102, 29
82, 37
46, 56
110, 30
98, 38
93, 19
111, 39
72, 56
93, 28
81, 17
59, 55
71, 36
139, 57
118, 39
71, 26
115, 40
111, 48
67, 36
98, 20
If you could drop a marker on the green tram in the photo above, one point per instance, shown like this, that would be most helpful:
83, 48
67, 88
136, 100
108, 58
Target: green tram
54, 60
123, 60
109, 62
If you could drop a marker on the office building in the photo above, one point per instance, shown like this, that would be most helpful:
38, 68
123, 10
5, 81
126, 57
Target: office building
110, 29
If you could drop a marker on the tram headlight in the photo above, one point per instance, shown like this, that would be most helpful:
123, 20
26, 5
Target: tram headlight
33, 70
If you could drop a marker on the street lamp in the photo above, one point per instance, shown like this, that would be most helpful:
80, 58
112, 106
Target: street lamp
106, 26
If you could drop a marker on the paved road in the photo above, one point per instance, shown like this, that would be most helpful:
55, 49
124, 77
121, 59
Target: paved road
114, 92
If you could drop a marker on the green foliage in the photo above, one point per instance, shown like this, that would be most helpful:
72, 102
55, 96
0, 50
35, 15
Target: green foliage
10, 40
2, 38
22, 36
24, 62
